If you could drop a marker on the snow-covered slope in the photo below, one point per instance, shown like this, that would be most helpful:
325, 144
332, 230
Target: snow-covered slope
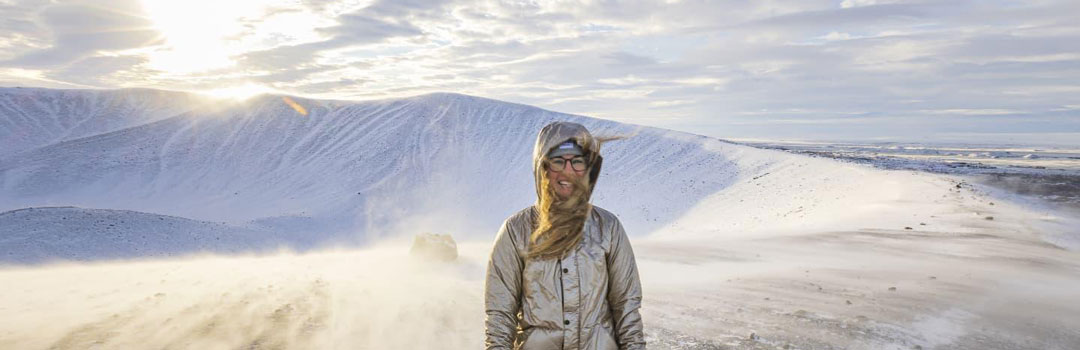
442, 161
34, 117
447, 163
36, 235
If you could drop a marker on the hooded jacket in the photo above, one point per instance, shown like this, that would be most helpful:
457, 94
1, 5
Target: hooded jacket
588, 299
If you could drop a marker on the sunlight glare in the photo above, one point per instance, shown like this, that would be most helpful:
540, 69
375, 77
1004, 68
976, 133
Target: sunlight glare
238, 93
198, 33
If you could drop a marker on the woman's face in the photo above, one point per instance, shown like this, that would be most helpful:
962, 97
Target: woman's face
563, 182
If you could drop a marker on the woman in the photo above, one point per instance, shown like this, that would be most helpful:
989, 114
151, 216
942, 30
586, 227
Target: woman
562, 274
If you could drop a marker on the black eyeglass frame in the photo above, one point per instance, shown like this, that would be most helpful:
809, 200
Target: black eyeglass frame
558, 164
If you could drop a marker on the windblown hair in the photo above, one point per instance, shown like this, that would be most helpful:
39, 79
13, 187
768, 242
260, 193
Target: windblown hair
605, 139
561, 222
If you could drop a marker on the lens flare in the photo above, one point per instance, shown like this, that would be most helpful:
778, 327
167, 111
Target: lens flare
295, 106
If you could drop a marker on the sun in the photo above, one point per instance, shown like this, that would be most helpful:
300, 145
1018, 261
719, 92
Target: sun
199, 37
203, 35
198, 34
193, 35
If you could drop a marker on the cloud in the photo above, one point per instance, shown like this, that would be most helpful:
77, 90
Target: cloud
80, 30
287, 57
628, 59
98, 71
19, 16
889, 67
332, 85
364, 29
358, 28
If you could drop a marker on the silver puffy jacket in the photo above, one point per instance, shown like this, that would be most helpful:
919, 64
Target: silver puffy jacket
587, 300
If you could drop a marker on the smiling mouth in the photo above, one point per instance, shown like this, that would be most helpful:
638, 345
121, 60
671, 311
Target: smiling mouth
565, 184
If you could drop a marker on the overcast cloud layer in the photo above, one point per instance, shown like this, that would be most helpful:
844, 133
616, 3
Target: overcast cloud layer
946, 71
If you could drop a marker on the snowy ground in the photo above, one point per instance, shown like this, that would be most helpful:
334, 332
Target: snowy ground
954, 280
829, 290
946, 158
738, 247
1048, 173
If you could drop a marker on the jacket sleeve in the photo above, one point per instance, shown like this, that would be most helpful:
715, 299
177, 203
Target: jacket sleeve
502, 291
624, 291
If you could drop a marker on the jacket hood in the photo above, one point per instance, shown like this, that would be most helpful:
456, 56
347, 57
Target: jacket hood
555, 134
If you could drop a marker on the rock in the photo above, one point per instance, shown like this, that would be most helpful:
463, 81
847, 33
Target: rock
435, 247
848, 302
907, 227
892, 289
933, 277
989, 218
754, 336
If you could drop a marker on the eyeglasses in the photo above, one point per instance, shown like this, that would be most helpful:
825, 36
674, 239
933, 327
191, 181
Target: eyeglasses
559, 163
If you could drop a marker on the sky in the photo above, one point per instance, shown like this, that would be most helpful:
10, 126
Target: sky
983, 71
